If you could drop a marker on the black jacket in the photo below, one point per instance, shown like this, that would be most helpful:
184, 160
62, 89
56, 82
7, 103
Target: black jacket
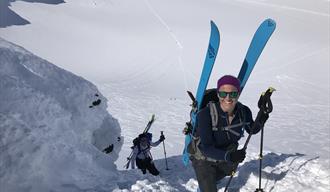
215, 144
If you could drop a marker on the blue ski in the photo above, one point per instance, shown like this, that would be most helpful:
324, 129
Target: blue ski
204, 79
257, 44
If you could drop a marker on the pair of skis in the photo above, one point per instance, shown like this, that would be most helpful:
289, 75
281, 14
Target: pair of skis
257, 44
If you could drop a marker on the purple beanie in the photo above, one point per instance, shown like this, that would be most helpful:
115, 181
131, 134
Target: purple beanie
229, 80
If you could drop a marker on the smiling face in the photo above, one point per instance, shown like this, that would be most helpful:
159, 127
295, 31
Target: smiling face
228, 103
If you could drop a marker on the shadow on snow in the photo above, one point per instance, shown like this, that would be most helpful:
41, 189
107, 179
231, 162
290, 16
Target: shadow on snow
269, 178
9, 17
178, 174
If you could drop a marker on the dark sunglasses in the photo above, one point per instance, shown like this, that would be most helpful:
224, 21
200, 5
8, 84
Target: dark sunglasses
232, 95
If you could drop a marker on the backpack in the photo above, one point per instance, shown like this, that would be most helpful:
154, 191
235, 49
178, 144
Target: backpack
210, 99
136, 141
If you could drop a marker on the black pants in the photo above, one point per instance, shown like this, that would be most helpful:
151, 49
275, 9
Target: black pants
146, 164
209, 173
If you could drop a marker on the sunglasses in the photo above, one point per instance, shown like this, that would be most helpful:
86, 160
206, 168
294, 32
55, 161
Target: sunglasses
232, 95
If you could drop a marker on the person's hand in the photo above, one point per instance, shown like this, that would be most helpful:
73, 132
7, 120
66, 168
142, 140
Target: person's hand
265, 103
188, 128
237, 156
162, 138
262, 117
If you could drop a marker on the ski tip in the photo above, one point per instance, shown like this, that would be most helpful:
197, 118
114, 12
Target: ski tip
213, 25
270, 22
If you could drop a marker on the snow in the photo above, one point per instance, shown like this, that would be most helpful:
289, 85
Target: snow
49, 135
141, 57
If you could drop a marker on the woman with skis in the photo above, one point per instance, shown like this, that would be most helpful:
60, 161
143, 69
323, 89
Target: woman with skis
220, 126
141, 153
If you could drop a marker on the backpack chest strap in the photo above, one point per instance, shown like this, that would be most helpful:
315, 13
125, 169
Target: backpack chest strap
215, 119
230, 128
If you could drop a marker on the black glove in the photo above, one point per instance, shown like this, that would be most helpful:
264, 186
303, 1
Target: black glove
262, 117
188, 128
265, 103
237, 156
162, 138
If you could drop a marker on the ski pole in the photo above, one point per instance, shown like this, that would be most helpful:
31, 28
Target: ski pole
265, 105
161, 133
260, 160
128, 160
236, 165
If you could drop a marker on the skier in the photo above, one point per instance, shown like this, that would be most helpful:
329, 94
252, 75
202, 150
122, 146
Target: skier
219, 127
141, 153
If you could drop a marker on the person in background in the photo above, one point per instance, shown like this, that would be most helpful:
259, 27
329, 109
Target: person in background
141, 153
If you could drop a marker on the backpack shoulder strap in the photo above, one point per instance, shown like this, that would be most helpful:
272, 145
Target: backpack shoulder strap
241, 113
214, 115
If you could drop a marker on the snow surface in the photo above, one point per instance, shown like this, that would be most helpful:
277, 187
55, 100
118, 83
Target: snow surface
48, 134
143, 55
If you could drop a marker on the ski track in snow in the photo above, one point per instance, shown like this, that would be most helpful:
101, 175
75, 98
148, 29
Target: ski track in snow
283, 7
295, 60
174, 37
162, 21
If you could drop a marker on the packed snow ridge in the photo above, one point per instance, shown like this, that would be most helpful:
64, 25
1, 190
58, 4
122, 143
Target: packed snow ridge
53, 128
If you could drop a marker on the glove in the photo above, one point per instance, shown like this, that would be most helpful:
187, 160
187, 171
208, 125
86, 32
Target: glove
162, 138
262, 117
188, 128
265, 103
237, 156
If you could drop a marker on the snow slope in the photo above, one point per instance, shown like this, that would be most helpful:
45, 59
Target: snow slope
48, 134
143, 55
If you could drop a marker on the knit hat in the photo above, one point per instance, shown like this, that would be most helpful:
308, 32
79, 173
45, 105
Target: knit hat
229, 80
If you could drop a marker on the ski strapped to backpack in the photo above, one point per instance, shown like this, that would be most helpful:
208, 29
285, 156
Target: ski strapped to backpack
211, 55
257, 45
135, 141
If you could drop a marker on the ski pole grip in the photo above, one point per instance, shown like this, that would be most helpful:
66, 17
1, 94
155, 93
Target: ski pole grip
265, 103
161, 132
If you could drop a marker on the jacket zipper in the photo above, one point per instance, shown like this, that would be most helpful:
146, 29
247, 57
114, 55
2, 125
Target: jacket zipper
227, 119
